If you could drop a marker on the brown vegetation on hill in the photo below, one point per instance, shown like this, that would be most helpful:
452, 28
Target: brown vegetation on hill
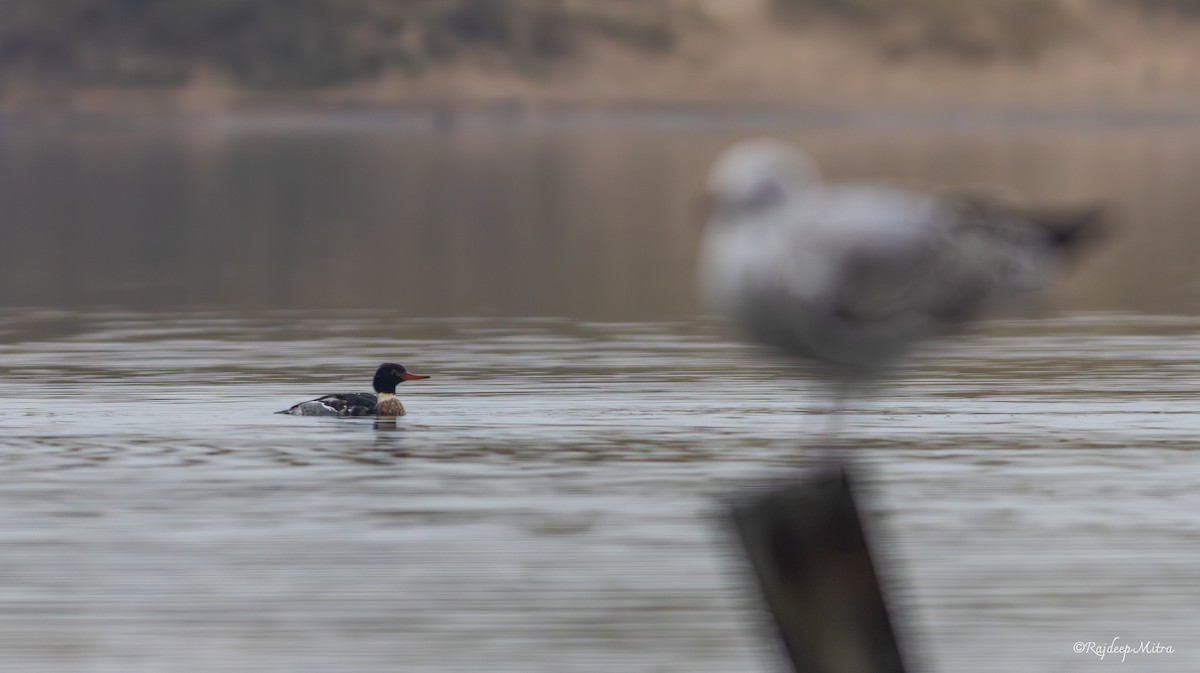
829, 52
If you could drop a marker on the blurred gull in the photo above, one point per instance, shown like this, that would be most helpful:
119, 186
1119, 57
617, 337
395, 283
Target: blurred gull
851, 276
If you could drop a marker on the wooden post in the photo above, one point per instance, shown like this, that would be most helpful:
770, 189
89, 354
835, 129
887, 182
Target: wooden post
806, 544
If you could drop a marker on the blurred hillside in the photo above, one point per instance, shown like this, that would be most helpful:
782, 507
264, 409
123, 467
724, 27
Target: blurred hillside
220, 53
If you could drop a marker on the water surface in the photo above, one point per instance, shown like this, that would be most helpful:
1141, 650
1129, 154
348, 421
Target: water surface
549, 502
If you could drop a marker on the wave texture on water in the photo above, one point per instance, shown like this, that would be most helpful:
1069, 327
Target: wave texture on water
550, 502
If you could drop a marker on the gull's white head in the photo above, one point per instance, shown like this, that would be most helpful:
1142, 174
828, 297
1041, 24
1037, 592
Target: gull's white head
757, 175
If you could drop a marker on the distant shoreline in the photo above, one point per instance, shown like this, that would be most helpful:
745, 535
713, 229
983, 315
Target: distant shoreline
671, 65
628, 116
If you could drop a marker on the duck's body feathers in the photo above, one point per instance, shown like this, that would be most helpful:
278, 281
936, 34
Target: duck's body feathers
338, 404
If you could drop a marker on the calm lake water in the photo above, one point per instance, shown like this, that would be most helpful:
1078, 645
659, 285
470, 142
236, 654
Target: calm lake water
550, 502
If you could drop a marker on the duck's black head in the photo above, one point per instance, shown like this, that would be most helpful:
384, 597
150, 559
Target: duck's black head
389, 375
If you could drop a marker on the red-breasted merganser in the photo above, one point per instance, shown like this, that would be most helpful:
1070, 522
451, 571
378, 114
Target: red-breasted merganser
382, 402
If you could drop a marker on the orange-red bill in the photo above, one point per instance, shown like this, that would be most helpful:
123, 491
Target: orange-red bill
406, 376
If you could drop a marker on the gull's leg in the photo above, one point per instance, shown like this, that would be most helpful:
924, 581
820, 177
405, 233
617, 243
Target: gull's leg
840, 391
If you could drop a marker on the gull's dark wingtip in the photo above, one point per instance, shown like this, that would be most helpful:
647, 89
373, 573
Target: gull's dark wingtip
1070, 230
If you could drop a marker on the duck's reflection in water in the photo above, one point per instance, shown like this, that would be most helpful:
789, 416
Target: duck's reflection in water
387, 424
389, 437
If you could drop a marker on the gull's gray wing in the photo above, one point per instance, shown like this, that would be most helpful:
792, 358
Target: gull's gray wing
969, 254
